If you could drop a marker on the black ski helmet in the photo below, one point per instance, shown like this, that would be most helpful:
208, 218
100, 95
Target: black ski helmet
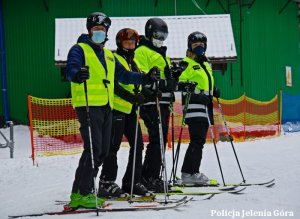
126, 34
196, 37
156, 28
96, 19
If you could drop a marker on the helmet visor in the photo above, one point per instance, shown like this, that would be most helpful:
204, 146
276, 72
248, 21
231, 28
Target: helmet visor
131, 35
101, 20
160, 35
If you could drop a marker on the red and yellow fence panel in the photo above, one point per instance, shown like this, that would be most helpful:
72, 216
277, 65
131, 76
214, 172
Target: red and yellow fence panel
54, 127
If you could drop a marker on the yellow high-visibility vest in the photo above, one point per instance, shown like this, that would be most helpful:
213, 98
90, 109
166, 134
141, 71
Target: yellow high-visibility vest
119, 103
99, 94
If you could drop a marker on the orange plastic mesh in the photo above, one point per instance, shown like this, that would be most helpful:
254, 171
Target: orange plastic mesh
55, 129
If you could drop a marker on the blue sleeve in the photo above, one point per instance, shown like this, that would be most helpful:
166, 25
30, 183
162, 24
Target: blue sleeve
127, 77
74, 61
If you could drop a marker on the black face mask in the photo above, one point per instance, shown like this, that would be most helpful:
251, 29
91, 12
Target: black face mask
199, 50
128, 53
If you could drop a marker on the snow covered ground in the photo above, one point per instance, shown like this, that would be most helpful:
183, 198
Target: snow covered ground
25, 188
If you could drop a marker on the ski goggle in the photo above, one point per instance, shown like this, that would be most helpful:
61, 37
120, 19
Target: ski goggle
160, 35
130, 35
101, 20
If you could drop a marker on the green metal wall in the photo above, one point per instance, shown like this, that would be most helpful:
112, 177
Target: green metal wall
270, 42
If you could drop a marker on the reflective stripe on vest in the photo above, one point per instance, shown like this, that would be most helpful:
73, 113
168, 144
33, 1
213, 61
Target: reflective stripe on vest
119, 103
194, 109
203, 91
98, 94
195, 114
195, 106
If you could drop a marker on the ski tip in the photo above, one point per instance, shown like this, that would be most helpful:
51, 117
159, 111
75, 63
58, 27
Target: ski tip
238, 192
209, 197
270, 185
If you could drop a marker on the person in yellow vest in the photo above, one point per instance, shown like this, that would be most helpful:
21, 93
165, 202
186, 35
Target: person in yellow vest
200, 72
149, 53
126, 100
90, 63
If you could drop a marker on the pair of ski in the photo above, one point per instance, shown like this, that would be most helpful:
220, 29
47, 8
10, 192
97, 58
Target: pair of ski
156, 204
269, 183
108, 207
176, 191
218, 189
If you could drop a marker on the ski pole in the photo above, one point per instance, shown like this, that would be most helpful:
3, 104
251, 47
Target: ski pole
134, 153
231, 139
173, 149
186, 104
213, 139
136, 90
91, 143
161, 141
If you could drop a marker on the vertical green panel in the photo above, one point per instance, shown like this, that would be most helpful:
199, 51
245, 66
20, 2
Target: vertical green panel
270, 42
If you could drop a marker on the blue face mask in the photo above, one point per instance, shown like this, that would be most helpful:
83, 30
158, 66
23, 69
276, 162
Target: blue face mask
199, 50
99, 36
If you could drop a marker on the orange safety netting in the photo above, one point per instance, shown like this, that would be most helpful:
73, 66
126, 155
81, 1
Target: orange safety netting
246, 119
55, 130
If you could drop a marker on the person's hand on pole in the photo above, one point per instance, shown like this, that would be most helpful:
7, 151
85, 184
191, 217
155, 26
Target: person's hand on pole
82, 75
152, 76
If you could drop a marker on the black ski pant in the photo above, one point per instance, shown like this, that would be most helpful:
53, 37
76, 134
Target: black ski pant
101, 121
124, 124
152, 162
193, 155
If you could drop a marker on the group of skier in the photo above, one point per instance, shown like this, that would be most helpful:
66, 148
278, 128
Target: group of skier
109, 92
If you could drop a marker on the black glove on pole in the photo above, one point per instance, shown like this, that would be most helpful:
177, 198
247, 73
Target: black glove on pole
177, 68
90, 139
137, 99
152, 76
82, 75
187, 86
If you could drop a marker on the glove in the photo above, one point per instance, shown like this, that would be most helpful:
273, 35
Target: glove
152, 76
154, 73
137, 99
82, 75
167, 72
171, 85
217, 92
200, 98
178, 68
187, 86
